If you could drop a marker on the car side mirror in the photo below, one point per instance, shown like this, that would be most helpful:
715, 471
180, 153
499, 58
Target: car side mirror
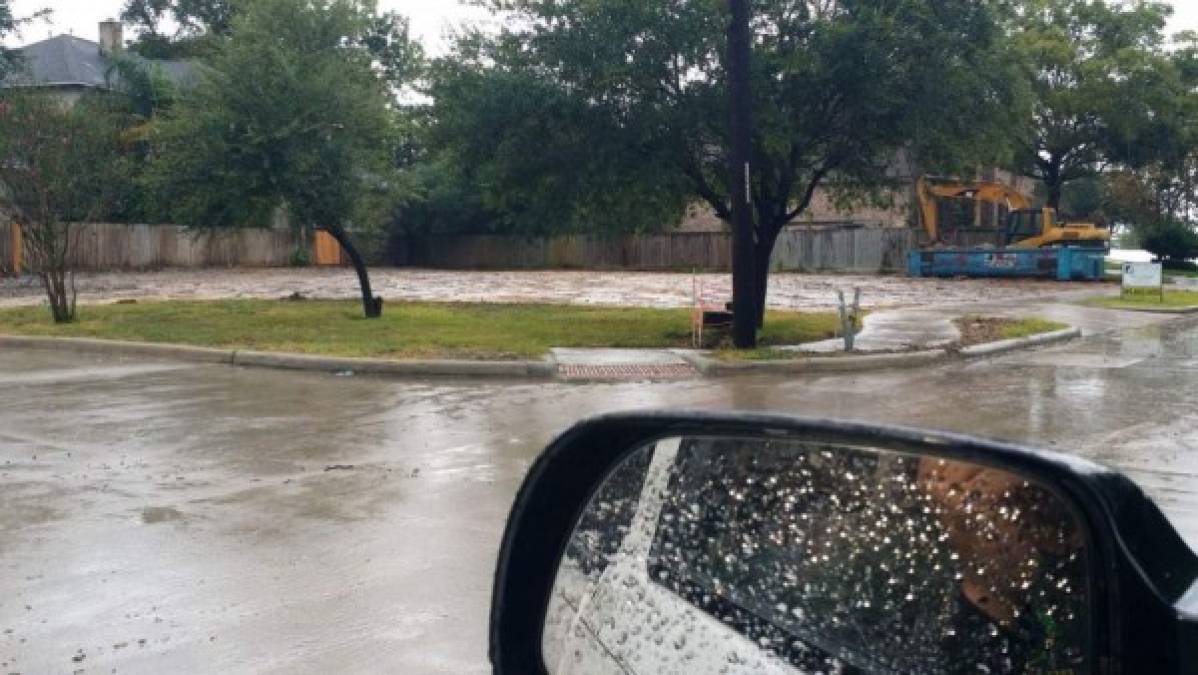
700, 543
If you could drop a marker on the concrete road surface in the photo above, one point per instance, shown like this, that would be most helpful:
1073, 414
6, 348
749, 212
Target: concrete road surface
157, 517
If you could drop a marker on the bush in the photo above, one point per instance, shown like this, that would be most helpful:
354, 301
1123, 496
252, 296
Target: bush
1171, 240
300, 257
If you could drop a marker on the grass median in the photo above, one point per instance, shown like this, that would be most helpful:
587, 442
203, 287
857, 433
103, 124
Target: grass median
1147, 300
406, 331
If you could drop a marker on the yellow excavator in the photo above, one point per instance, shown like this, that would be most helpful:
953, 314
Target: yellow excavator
1026, 227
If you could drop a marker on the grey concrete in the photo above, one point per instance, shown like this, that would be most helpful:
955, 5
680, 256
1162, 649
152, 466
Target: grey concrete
1003, 346
544, 369
328, 364
115, 347
246, 520
713, 367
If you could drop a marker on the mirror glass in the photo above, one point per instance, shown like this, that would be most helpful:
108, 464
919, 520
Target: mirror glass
735, 555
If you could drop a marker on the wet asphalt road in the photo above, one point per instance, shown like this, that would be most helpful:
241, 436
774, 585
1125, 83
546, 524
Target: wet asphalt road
175, 518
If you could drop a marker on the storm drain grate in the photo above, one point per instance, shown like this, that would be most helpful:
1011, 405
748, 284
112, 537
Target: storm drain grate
673, 371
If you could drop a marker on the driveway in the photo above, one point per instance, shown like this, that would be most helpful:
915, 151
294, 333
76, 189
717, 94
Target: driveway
158, 517
638, 289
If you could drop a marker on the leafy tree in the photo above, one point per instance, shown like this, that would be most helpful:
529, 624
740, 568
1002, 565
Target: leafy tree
195, 25
607, 114
62, 166
1173, 241
10, 59
1098, 77
291, 113
8, 24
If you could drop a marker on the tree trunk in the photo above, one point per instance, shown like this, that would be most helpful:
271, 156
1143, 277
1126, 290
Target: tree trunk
371, 305
744, 294
763, 252
1055, 190
62, 307
1054, 184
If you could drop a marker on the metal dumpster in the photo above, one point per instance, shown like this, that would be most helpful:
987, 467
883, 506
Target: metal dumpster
1062, 264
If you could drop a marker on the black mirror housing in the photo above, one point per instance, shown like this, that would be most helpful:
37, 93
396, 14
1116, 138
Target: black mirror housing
1144, 577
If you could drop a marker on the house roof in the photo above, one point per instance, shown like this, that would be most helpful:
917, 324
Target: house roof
69, 61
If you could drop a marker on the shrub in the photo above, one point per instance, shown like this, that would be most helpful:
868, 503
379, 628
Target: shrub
1174, 241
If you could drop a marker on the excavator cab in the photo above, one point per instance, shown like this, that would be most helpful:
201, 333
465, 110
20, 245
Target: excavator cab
1037, 228
1026, 227
1024, 224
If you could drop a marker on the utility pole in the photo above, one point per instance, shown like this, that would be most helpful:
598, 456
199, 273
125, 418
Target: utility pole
740, 125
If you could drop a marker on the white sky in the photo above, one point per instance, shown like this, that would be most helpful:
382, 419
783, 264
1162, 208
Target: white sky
430, 18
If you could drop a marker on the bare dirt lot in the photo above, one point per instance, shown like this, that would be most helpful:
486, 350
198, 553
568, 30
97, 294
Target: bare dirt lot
787, 291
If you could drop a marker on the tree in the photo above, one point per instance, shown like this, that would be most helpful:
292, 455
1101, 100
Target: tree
8, 24
1173, 241
1098, 74
605, 114
290, 114
59, 166
196, 25
10, 59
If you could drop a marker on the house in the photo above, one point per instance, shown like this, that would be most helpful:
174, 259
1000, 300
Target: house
899, 208
71, 66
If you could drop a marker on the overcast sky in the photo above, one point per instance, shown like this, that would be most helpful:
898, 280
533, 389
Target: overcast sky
430, 18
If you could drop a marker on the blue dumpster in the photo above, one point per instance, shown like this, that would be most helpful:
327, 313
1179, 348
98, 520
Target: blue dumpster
1062, 264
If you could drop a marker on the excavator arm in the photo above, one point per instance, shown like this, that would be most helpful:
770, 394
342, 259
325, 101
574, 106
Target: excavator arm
978, 191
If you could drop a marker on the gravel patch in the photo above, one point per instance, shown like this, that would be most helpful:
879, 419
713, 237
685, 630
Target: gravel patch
787, 291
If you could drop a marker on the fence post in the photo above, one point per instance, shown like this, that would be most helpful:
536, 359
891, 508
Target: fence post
17, 262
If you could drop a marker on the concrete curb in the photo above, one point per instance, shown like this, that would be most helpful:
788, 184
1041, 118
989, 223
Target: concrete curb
710, 367
499, 369
1002, 346
544, 370
1163, 310
116, 347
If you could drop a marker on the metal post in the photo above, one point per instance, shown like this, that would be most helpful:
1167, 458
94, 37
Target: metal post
848, 318
744, 296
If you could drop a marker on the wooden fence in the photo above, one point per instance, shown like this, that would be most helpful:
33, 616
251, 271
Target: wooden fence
842, 249
136, 247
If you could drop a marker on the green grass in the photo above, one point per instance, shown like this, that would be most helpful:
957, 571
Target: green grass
1021, 328
407, 330
1189, 274
1148, 299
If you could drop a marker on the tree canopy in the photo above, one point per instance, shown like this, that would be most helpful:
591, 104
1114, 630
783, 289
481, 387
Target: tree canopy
62, 165
604, 114
196, 23
1099, 79
293, 112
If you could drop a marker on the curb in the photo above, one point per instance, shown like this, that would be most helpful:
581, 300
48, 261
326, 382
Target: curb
1179, 311
116, 347
545, 369
1003, 346
499, 369
710, 367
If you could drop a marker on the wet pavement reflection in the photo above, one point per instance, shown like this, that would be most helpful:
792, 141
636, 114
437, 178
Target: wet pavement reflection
164, 517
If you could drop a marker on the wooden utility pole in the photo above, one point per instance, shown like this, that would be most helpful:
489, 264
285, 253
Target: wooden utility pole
744, 295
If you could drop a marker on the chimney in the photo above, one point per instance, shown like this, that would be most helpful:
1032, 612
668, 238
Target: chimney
112, 37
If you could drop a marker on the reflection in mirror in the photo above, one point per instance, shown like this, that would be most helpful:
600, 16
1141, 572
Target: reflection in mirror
723, 555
